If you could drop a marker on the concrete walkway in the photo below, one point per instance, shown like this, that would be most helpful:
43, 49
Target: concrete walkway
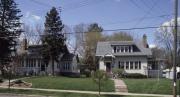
19, 95
90, 92
120, 86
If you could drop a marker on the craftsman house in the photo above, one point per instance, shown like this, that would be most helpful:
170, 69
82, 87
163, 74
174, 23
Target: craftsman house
31, 63
127, 55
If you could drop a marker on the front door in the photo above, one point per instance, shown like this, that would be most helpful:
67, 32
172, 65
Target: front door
108, 67
43, 67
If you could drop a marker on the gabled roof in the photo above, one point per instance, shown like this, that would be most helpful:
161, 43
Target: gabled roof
67, 57
104, 48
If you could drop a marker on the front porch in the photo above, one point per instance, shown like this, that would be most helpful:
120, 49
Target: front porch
106, 63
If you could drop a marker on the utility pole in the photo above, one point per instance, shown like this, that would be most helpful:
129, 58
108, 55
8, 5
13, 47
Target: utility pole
175, 48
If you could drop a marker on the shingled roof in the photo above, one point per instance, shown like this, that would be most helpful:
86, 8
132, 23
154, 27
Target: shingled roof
104, 48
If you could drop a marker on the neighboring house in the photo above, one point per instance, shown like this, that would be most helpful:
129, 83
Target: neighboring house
127, 55
31, 63
168, 73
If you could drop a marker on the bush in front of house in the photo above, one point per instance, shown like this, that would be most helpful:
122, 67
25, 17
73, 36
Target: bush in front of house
117, 72
86, 73
1, 80
18, 81
134, 75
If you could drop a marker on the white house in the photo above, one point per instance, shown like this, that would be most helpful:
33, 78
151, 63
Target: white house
127, 55
168, 73
32, 63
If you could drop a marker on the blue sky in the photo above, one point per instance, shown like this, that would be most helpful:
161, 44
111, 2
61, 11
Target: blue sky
110, 14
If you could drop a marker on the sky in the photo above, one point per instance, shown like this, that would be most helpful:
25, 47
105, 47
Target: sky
109, 14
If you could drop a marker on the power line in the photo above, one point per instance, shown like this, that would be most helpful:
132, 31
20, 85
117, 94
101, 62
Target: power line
110, 30
147, 13
40, 3
136, 5
72, 5
137, 19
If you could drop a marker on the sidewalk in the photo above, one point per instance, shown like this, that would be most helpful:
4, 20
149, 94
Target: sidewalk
90, 92
120, 86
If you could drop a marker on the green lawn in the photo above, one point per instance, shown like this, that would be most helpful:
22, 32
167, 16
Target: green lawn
57, 94
66, 83
163, 86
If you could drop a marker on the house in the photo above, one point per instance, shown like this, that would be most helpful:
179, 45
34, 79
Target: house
168, 73
127, 55
32, 63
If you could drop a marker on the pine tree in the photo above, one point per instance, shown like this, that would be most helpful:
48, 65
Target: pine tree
53, 40
10, 29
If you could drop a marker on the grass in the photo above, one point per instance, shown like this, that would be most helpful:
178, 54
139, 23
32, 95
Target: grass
163, 86
65, 83
57, 94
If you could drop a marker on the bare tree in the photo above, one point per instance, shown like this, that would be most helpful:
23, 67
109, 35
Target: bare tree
80, 38
39, 31
32, 34
165, 39
118, 36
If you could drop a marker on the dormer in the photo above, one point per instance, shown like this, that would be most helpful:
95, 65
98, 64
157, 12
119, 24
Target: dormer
124, 48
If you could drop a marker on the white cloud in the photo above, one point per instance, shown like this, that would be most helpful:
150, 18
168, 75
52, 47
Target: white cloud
36, 17
171, 22
152, 46
27, 14
30, 16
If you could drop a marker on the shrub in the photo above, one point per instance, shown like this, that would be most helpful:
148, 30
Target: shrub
1, 80
18, 81
118, 72
134, 75
87, 72
83, 76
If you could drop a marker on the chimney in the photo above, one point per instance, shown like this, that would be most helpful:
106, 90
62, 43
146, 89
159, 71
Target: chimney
24, 44
145, 44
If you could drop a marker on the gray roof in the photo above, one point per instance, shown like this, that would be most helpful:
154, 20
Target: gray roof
104, 48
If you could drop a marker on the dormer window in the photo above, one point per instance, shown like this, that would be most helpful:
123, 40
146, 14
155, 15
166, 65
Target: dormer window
122, 49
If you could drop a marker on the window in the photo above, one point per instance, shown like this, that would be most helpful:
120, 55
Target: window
130, 49
119, 66
114, 49
39, 62
139, 64
26, 62
118, 49
122, 65
136, 65
64, 66
22, 63
34, 62
122, 49
126, 49
127, 65
131, 65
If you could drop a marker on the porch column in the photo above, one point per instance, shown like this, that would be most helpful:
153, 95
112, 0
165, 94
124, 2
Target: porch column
102, 65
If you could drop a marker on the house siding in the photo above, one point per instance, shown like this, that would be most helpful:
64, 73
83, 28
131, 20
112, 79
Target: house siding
142, 59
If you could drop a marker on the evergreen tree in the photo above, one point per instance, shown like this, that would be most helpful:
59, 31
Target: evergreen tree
53, 40
10, 29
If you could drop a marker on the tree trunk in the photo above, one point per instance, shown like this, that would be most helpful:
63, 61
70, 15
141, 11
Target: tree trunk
99, 88
52, 59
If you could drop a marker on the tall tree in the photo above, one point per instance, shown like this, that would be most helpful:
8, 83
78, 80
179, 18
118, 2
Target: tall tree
92, 36
53, 39
10, 30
